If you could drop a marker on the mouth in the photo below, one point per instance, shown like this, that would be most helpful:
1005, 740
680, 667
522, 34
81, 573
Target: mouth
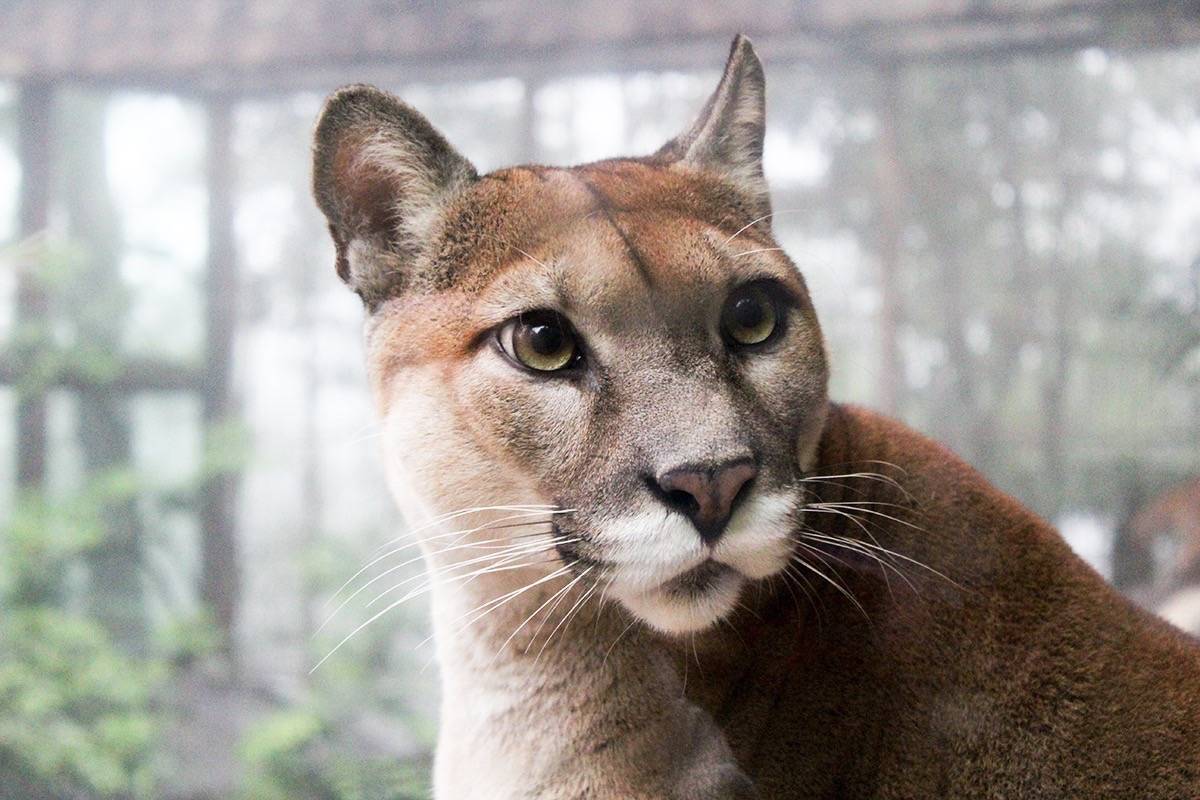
656, 567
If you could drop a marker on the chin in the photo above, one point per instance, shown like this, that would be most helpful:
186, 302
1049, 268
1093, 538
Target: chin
692, 602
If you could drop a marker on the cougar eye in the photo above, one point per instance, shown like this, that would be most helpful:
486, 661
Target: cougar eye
750, 315
540, 340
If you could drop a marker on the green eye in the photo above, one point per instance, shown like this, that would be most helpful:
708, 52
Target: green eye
540, 340
750, 316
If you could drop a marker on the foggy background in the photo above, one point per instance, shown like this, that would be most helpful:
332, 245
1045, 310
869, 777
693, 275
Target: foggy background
996, 206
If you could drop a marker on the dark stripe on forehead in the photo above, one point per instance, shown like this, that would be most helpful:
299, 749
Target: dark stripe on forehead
605, 207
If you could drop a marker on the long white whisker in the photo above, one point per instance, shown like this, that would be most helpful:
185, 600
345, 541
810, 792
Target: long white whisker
758, 250
882, 549
857, 507
487, 608
504, 565
397, 603
552, 597
571, 612
849, 545
752, 223
460, 533
493, 560
620, 636
845, 592
462, 546
462, 512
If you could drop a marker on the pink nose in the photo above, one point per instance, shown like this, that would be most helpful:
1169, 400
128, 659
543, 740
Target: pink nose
706, 494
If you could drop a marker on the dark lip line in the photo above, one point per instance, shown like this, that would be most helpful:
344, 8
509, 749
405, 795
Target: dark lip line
577, 561
685, 583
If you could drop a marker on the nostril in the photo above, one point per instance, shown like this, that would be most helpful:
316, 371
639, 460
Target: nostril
677, 498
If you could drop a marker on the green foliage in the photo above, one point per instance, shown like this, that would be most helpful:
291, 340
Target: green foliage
293, 756
40, 352
44, 536
184, 640
75, 714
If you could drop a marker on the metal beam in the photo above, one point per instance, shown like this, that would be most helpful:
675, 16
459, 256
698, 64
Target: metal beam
257, 47
135, 377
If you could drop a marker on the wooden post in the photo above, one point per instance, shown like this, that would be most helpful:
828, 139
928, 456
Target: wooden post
35, 130
220, 580
888, 177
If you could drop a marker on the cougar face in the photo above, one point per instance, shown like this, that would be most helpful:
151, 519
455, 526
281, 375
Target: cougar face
623, 341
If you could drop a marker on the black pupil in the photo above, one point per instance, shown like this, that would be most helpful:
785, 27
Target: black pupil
546, 339
747, 312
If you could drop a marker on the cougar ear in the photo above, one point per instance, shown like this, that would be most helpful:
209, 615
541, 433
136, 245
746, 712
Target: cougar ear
727, 138
383, 177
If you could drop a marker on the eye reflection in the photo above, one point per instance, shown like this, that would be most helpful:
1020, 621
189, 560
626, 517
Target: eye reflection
750, 316
540, 340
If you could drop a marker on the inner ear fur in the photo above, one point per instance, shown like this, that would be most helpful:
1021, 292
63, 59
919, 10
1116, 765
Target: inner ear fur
727, 137
383, 176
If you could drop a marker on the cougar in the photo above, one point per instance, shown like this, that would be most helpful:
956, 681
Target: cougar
662, 563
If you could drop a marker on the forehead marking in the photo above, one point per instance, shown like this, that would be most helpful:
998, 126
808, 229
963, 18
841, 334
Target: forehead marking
605, 208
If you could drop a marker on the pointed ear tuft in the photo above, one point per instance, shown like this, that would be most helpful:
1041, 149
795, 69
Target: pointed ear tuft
727, 138
383, 177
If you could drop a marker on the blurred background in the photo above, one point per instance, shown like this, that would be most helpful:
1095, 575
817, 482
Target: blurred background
996, 204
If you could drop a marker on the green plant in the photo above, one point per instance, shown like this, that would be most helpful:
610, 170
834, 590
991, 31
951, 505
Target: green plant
293, 755
75, 714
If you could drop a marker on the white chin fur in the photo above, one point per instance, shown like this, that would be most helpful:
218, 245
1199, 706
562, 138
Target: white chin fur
686, 613
655, 547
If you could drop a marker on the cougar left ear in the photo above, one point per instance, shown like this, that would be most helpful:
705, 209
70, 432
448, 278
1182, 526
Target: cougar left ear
728, 136
383, 176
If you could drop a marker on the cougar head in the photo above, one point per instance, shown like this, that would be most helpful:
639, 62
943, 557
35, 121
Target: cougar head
621, 341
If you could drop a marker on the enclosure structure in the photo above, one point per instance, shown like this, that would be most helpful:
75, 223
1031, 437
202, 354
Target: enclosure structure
225, 52
229, 58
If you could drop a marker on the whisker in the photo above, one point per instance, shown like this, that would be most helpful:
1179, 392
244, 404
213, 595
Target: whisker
858, 507
571, 613
395, 551
752, 223
531, 258
491, 569
438, 520
801, 582
866, 554
884, 550
395, 568
559, 593
549, 613
409, 596
491, 605
620, 636
869, 476
845, 592
757, 250
500, 559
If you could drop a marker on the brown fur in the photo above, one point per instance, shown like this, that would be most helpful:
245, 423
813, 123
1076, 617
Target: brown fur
1028, 677
973, 655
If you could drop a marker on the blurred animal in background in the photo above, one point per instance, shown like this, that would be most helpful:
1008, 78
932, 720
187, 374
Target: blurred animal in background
1156, 554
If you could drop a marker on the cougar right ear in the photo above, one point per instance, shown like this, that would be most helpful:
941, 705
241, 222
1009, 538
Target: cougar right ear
383, 177
727, 138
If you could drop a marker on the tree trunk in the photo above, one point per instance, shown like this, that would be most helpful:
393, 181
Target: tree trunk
99, 307
35, 137
220, 580
890, 200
